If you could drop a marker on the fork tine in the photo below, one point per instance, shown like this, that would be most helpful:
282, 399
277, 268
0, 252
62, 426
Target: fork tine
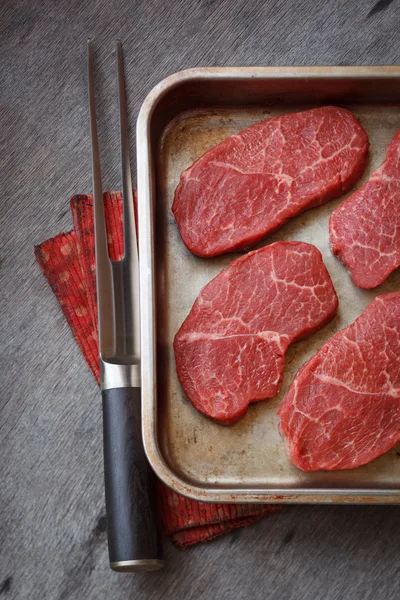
104, 276
130, 260
130, 243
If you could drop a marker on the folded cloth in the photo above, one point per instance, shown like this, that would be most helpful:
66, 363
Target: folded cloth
68, 263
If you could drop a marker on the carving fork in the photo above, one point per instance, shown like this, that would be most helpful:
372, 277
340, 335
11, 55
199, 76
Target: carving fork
133, 538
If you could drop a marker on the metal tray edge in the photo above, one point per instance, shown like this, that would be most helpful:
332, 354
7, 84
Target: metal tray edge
286, 72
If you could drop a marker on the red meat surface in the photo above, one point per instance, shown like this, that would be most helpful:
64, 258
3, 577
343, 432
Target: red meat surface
230, 350
364, 231
343, 407
251, 183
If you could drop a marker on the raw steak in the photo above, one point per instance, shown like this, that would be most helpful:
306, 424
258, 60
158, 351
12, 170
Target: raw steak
343, 407
253, 182
230, 350
364, 231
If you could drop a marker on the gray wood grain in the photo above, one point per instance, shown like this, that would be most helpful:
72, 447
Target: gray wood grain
51, 492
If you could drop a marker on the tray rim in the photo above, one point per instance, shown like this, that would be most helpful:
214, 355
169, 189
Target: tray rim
147, 293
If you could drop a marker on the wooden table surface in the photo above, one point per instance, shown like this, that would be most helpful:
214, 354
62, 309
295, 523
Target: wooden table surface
52, 538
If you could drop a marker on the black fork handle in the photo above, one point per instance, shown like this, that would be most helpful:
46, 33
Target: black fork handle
134, 539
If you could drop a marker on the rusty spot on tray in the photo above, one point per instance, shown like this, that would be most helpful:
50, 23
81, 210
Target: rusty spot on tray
194, 138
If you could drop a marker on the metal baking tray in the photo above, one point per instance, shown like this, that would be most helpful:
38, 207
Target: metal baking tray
182, 117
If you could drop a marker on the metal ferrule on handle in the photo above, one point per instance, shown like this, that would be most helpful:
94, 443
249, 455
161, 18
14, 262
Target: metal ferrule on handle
114, 375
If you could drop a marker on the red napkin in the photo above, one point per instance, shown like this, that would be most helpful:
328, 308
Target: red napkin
68, 263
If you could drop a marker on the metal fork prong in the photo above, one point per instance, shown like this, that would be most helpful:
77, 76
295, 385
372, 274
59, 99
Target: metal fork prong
104, 278
130, 260
129, 216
